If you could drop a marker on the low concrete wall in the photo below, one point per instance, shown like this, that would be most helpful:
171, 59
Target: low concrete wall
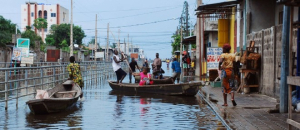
270, 46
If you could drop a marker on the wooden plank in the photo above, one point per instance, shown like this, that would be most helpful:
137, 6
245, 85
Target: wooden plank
293, 123
253, 86
293, 80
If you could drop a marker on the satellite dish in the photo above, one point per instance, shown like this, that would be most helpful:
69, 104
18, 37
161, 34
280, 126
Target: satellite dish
75, 45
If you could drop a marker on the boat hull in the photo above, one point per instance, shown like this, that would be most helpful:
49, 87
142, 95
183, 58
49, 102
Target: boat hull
56, 103
185, 89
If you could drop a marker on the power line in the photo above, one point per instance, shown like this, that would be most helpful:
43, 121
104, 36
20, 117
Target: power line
128, 15
139, 24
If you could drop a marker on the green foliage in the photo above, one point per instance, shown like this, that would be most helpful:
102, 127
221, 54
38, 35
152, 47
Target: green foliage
40, 23
113, 46
61, 32
50, 41
33, 38
193, 46
6, 30
87, 51
176, 43
64, 43
65, 49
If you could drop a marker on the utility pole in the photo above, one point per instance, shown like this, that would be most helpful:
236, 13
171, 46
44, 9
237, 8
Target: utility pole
71, 29
181, 65
119, 40
107, 44
125, 47
95, 38
128, 43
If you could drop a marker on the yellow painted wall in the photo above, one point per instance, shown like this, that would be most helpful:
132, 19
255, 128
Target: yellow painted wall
232, 20
223, 32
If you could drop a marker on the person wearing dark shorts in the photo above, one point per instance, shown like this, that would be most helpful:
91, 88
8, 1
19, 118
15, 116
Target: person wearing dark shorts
133, 64
117, 67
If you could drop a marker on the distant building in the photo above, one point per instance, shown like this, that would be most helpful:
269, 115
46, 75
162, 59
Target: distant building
54, 14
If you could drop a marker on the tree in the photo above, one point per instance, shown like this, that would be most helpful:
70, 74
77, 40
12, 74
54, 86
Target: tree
6, 30
61, 32
40, 23
176, 43
33, 38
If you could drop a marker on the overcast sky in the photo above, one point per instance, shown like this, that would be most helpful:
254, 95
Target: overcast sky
154, 37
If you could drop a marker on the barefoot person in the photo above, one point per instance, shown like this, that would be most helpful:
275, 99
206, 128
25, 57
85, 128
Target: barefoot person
117, 67
75, 73
226, 66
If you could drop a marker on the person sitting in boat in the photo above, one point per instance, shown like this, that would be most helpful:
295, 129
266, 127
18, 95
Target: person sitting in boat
75, 73
145, 77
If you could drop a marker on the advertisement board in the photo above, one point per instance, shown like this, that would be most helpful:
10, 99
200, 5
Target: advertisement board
16, 55
99, 54
213, 57
27, 60
24, 44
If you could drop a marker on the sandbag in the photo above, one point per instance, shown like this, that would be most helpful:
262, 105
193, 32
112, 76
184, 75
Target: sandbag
41, 94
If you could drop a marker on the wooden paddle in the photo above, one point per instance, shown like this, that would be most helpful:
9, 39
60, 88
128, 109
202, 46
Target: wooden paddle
126, 61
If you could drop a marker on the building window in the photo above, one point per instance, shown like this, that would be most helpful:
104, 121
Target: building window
32, 14
280, 18
45, 14
45, 29
64, 16
40, 14
53, 14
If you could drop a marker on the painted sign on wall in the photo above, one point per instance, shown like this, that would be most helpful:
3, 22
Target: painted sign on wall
213, 57
99, 54
24, 44
16, 55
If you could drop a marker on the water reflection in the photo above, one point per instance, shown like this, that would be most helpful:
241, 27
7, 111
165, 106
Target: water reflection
106, 109
70, 118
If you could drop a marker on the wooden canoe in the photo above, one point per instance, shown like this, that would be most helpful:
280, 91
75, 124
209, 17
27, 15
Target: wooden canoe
166, 80
61, 98
182, 89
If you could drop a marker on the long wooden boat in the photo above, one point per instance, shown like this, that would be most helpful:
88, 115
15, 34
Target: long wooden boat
182, 89
166, 80
61, 98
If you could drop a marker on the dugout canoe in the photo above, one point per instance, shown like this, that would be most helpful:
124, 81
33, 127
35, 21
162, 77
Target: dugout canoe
61, 98
165, 80
182, 89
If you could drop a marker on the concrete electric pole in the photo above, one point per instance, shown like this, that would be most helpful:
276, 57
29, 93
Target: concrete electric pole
107, 44
95, 38
119, 40
71, 29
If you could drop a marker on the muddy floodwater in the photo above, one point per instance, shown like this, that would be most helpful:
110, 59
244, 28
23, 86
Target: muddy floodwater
103, 108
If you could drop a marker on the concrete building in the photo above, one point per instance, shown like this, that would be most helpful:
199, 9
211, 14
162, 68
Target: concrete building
54, 14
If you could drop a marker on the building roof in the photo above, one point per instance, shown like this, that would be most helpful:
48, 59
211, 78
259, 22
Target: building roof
188, 40
216, 8
289, 2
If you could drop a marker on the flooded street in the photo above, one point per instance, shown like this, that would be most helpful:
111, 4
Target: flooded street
103, 108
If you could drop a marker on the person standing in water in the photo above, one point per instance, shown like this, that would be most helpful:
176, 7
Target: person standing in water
117, 67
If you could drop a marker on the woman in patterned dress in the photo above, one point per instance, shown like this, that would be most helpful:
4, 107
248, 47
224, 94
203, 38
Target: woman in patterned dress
75, 73
226, 65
